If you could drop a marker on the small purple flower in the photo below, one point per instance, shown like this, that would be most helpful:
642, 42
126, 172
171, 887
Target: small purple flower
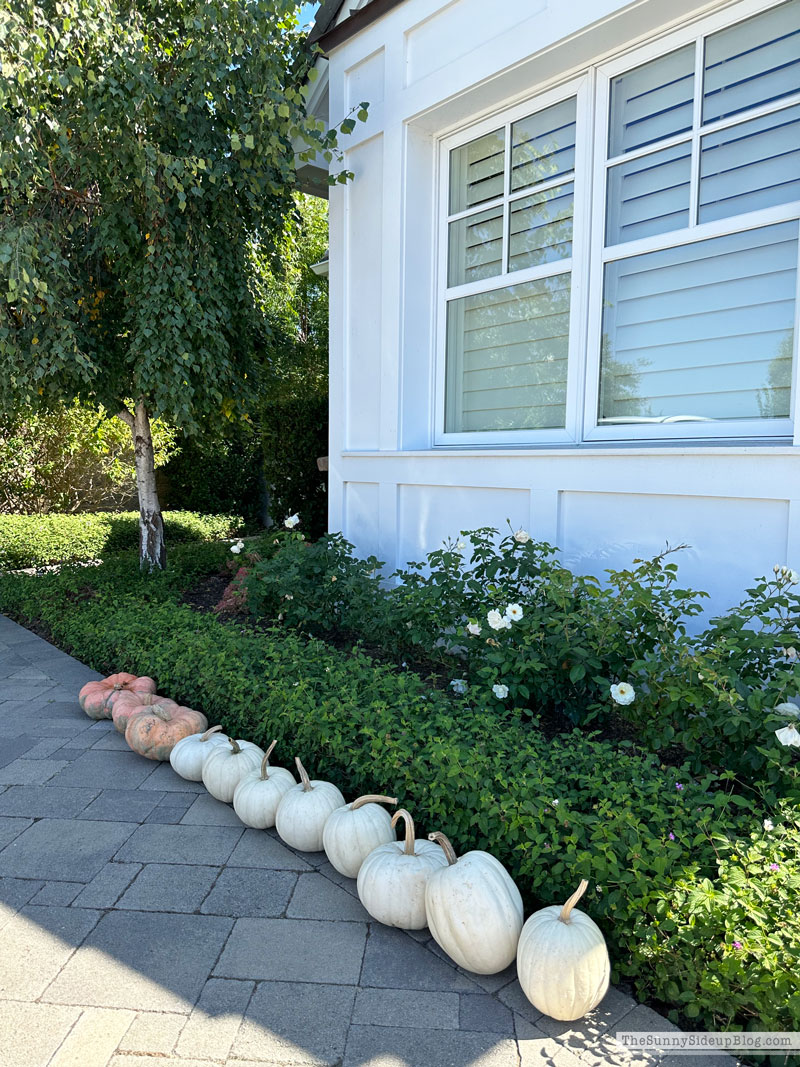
671, 836
774, 866
737, 944
679, 786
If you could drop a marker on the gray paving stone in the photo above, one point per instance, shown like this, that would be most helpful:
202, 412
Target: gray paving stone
392, 959
207, 811
112, 741
153, 1033
254, 893
536, 1049
44, 1025
481, 1011
493, 983
576, 1035
296, 950
63, 849
37, 942
289, 1023
107, 886
64, 710
9, 829
169, 887
16, 892
513, 997
348, 884
315, 897
105, 770
215, 1021
163, 777
407, 1007
31, 771
257, 849
119, 805
172, 808
58, 894
153, 843
16, 747
44, 747
146, 961
17, 691
384, 1046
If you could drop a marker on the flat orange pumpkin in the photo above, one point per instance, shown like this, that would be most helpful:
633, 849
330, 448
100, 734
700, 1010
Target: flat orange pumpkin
154, 732
129, 704
98, 698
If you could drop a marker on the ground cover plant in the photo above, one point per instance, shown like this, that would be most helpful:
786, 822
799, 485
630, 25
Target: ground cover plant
692, 876
44, 540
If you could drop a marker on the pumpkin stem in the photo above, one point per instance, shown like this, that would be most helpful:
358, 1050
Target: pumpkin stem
372, 798
234, 745
160, 713
265, 761
401, 813
449, 851
573, 900
307, 787
208, 733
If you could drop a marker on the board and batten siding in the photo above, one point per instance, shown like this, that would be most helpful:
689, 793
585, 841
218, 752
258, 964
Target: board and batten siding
428, 70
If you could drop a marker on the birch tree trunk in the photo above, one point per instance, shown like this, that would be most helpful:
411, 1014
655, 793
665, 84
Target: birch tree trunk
152, 551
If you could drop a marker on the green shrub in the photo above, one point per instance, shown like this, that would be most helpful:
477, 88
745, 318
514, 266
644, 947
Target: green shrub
42, 540
219, 476
552, 809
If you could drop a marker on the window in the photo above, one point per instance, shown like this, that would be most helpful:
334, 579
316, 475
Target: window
649, 292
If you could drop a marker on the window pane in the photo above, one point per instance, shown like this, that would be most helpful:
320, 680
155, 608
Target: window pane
752, 62
476, 171
507, 357
475, 247
652, 102
543, 145
649, 194
541, 228
753, 165
701, 332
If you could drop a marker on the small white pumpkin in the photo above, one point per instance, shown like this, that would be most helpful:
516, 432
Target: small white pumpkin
304, 810
392, 879
226, 765
474, 910
352, 832
188, 756
259, 793
562, 960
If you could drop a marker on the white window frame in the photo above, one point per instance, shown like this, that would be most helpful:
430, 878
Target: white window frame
592, 90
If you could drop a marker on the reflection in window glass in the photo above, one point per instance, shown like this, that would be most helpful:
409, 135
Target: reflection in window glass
652, 102
476, 171
541, 228
507, 357
701, 332
475, 247
649, 194
543, 145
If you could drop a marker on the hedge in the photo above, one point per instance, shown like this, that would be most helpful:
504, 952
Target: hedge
653, 842
42, 540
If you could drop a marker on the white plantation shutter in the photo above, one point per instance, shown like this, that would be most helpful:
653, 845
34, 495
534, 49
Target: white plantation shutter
649, 194
652, 102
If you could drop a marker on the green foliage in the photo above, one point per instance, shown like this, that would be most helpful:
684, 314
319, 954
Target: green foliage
43, 540
552, 809
217, 475
73, 458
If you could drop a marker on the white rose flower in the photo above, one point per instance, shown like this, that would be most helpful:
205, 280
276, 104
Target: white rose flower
792, 577
459, 686
513, 612
522, 537
789, 736
495, 620
461, 546
791, 710
500, 691
555, 803
789, 653
291, 521
237, 548
769, 825
474, 628
623, 693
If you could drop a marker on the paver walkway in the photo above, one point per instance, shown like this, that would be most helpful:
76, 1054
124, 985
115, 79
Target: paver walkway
141, 924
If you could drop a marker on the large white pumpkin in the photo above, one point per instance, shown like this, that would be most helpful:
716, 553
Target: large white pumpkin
188, 756
474, 910
259, 793
226, 765
304, 810
392, 879
352, 832
562, 960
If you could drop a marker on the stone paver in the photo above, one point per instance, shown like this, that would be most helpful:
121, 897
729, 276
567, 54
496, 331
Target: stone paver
142, 924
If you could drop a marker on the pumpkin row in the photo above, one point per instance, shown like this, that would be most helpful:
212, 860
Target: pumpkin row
470, 903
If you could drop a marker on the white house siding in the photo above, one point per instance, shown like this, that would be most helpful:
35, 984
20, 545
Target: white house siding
427, 70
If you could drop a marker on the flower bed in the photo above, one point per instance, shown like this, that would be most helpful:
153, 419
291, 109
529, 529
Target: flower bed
660, 847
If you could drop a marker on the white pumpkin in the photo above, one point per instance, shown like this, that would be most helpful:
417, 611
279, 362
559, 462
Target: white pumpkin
562, 960
259, 793
304, 810
474, 910
352, 832
392, 879
226, 765
188, 756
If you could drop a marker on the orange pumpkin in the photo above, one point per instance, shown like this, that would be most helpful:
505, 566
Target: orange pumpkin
128, 704
98, 698
154, 732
